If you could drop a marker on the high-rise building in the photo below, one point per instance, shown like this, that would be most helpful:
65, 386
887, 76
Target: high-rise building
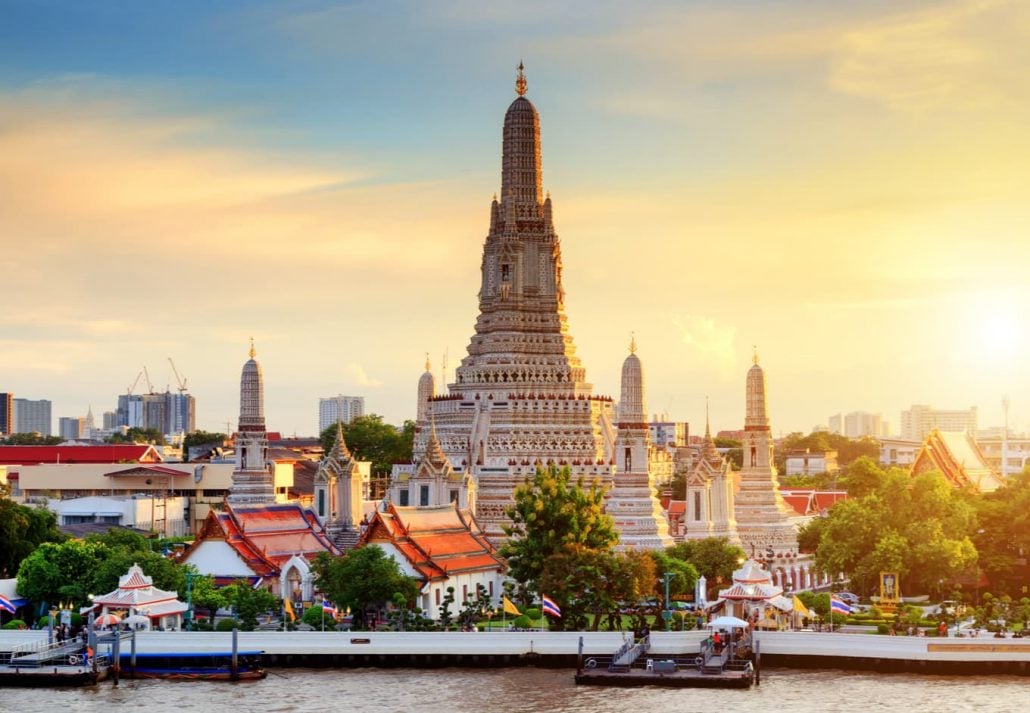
33, 416
837, 424
110, 420
861, 424
920, 419
520, 399
70, 428
339, 408
166, 412
6, 413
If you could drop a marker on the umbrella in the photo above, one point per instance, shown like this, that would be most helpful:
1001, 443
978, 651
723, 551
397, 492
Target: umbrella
137, 619
107, 620
731, 622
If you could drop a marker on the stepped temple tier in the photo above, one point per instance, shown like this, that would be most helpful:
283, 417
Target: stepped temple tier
520, 399
252, 481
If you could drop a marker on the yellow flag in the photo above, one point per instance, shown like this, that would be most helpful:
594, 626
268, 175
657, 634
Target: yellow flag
509, 608
800, 607
289, 609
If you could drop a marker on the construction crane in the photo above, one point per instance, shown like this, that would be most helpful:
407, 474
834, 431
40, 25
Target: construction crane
182, 381
132, 386
146, 375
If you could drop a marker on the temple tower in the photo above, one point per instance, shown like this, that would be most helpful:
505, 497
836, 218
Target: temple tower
520, 399
632, 502
766, 524
710, 499
339, 489
252, 481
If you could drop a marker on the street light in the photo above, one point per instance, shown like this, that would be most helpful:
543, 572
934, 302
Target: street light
189, 599
667, 615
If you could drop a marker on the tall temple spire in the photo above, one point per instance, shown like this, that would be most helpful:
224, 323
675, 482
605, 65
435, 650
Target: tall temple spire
633, 403
252, 481
521, 174
757, 414
253, 351
252, 395
340, 450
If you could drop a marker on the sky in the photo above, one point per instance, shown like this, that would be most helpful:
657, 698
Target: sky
845, 186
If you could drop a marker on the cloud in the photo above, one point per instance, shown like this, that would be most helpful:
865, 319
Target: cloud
359, 377
711, 344
971, 51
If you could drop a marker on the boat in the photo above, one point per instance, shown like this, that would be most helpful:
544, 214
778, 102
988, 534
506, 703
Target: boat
194, 666
52, 664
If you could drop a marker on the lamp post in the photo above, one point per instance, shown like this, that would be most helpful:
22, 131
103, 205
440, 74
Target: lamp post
50, 625
189, 599
667, 615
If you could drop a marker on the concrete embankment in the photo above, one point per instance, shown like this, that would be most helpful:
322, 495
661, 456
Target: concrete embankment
543, 648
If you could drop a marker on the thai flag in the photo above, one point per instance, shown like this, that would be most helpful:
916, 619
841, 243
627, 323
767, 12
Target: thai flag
328, 608
838, 606
7, 605
549, 607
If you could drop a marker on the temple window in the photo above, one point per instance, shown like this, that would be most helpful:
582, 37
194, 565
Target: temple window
754, 456
505, 273
697, 505
454, 496
423, 495
629, 459
405, 497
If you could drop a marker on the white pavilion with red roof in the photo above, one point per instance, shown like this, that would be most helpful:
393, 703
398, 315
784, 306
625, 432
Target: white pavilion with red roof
137, 596
754, 597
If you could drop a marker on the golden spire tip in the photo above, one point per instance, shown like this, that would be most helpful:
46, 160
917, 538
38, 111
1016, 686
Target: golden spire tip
632, 342
520, 81
754, 353
253, 351
429, 366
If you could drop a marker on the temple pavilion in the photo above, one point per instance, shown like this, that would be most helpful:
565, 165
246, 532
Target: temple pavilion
140, 604
755, 598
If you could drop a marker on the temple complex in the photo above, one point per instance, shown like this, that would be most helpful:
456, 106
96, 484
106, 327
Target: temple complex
252, 480
632, 502
520, 399
141, 605
765, 522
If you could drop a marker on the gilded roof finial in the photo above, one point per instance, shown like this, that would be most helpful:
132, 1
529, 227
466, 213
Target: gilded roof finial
754, 353
429, 366
632, 342
520, 81
253, 351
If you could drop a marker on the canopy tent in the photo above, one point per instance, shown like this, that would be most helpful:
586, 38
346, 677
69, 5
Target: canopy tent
727, 622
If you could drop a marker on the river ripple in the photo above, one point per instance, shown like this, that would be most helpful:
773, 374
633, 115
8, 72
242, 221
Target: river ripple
528, 690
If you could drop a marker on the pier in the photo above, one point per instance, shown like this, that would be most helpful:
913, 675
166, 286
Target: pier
887, 654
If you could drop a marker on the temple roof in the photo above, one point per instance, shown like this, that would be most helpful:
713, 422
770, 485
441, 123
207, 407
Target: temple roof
437, 542
956, 455
135, 589
266, 536
111, 453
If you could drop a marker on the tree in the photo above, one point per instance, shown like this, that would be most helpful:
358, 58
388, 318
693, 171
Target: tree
1002, 535
248, 603
370, 439
712, 557
682, 580
57, 572
550, 514
138, 435
31, 439
364, 580
200, 438
22, 530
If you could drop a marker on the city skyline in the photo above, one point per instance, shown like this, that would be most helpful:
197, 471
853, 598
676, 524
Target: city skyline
839, 186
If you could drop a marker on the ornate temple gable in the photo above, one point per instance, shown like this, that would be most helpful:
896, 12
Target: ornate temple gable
959, 458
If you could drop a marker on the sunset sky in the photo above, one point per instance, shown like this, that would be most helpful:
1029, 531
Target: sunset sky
844, 185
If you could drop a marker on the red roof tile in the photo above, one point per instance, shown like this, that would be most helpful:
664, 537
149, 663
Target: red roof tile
110, 453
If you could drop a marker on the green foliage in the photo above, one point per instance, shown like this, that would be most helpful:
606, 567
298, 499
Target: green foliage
522, 622
1002, 537
152, 436
684, 575
248, 603
917, 527
369, 438
30, 439
58, 572
550, 514
202, 592
227, 625
848, 449
16, 624
315, 616
533, 613
22, 530
364, 580
200, 438
713, 557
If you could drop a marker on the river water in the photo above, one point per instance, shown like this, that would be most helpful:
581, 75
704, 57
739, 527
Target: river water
528, 690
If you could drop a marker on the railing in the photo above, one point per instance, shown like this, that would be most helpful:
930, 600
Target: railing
623, 658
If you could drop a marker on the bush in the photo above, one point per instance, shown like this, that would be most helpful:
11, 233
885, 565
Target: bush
533, 613
522, 622
16, 624
882, 629
227, 625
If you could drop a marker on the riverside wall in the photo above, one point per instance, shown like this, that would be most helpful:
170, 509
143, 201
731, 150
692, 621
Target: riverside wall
559, 649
